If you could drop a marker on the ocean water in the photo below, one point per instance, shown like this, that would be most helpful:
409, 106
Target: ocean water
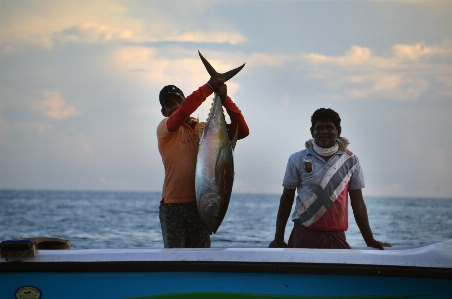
130, 219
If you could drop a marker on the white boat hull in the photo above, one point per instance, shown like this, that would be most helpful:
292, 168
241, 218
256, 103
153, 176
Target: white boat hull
417, 272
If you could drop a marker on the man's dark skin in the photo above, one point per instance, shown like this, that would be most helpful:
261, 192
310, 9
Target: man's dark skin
325, 135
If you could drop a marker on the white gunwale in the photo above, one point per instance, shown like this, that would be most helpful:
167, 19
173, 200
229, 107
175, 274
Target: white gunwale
436, 255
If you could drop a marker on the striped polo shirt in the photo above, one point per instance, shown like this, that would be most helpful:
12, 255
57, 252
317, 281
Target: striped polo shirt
322, 188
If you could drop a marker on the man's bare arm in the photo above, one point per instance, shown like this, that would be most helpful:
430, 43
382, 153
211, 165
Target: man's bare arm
362, 220
285, 206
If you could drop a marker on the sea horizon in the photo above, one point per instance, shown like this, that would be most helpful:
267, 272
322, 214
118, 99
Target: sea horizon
130, 219
241, 193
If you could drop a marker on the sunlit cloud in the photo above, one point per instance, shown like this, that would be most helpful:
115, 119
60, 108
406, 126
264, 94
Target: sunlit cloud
363, 56
55, 107
405, 74
91, 33
386, 85
39, 25
150, 66
360, 74
417, 51
354, 57
233, 38
97, 33
142, 67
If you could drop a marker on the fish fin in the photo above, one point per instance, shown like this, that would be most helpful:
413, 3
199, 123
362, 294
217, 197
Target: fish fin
199, 129
234, 139
228, 75
207, 65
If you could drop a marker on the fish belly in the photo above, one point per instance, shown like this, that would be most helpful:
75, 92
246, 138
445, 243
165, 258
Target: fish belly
214, 170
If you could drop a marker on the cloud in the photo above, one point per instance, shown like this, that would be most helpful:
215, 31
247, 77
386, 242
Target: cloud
36, 22
55, 107
220, 37
363, 56
417, 51
355, 56
46, 24
149, 69
141, 64
98, 33
404, 75
152, 66
92, 33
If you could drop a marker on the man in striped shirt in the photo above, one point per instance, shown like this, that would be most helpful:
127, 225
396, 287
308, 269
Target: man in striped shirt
324, 175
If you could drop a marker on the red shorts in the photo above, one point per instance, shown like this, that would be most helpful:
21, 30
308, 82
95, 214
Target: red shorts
303, 237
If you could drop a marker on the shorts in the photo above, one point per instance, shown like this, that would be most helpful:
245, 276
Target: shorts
182, 226
303, 237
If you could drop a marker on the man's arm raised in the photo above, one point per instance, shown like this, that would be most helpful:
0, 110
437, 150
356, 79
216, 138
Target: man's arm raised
236, 116
192, 102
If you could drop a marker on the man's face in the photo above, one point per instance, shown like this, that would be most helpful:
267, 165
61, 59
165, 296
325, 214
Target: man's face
171, 103
325, 134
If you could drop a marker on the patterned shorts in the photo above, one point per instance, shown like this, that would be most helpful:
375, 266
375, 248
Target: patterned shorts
182, 227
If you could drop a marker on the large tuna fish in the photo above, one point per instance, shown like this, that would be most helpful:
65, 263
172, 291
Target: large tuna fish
215, 163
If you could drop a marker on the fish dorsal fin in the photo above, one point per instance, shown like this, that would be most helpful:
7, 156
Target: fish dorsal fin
234, 139
199, 129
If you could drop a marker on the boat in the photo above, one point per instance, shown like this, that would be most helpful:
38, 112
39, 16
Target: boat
150, 273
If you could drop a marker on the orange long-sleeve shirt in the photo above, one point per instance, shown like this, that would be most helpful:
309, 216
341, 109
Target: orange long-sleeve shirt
178, 145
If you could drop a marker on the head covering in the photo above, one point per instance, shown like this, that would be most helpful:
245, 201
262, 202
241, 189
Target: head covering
169, 89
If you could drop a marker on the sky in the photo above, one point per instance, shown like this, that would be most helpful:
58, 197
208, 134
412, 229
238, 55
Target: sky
79, 85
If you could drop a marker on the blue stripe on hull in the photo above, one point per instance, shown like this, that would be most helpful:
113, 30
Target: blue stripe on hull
131, 284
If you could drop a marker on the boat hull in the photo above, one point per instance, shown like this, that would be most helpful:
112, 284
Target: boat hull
216, 284
423, 272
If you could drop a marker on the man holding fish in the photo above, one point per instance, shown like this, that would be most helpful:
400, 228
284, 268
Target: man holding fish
324, 175
178, 142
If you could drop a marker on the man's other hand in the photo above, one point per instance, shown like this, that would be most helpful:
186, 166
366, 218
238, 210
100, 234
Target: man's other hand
222, 91
377, 244
216, 81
